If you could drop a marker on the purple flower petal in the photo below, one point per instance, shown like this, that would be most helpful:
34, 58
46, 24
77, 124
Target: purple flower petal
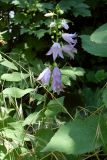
70, 38
44, 77
56, 50
57, 85
70, 50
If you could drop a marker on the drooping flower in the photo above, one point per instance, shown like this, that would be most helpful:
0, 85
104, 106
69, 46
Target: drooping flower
70, 50
64, 24
55, 50
57, 85
70, 38
44, 77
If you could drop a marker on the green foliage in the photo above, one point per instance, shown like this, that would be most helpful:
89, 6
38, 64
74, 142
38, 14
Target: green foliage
100, 35
36, 123
85, 133
78, 7
14, 76
54, 107
16, 92
69, 73
97, 49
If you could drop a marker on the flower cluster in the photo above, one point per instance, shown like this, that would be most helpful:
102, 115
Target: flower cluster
57, 50
45, 76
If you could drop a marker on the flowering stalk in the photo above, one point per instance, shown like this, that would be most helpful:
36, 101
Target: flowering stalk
57, 50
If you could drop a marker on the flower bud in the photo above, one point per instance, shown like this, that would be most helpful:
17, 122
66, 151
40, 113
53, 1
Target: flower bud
49, 14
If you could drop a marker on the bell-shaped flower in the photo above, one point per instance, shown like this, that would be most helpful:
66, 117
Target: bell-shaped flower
57, 85
70, 50
70, 38
64, 24
56, 51
44, 77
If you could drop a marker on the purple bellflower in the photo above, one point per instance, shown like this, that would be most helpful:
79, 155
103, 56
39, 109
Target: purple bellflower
64, 24
56, 51
70, 50
57, 85
70, 38
44, 77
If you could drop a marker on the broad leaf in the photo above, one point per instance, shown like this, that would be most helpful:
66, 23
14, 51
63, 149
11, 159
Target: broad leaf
16, 92
14, 77
42, 137
8, 64
100, 35
97, 49
31, 119
78, 137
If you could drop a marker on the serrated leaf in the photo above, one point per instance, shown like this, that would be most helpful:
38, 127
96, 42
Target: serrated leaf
72, 72
100, 34
78, 137
97, 49
14, 77
41, 32
16, 92
9, 64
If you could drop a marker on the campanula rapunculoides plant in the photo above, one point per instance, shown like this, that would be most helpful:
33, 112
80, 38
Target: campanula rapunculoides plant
62, 43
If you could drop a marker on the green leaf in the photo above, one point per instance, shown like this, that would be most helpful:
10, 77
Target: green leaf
41, 32
100, 75
54, 107
104, 97
8, 64
96, 77
78, 137
31, 119
16, 134
78, 7
71, 73
100, 34
42, 137
97, 49
14, 77
3, 151
16, 92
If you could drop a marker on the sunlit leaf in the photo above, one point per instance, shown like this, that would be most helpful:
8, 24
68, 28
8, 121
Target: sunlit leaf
16, 92
78, 137
8, 64
31, 119
100, 34
14, 77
